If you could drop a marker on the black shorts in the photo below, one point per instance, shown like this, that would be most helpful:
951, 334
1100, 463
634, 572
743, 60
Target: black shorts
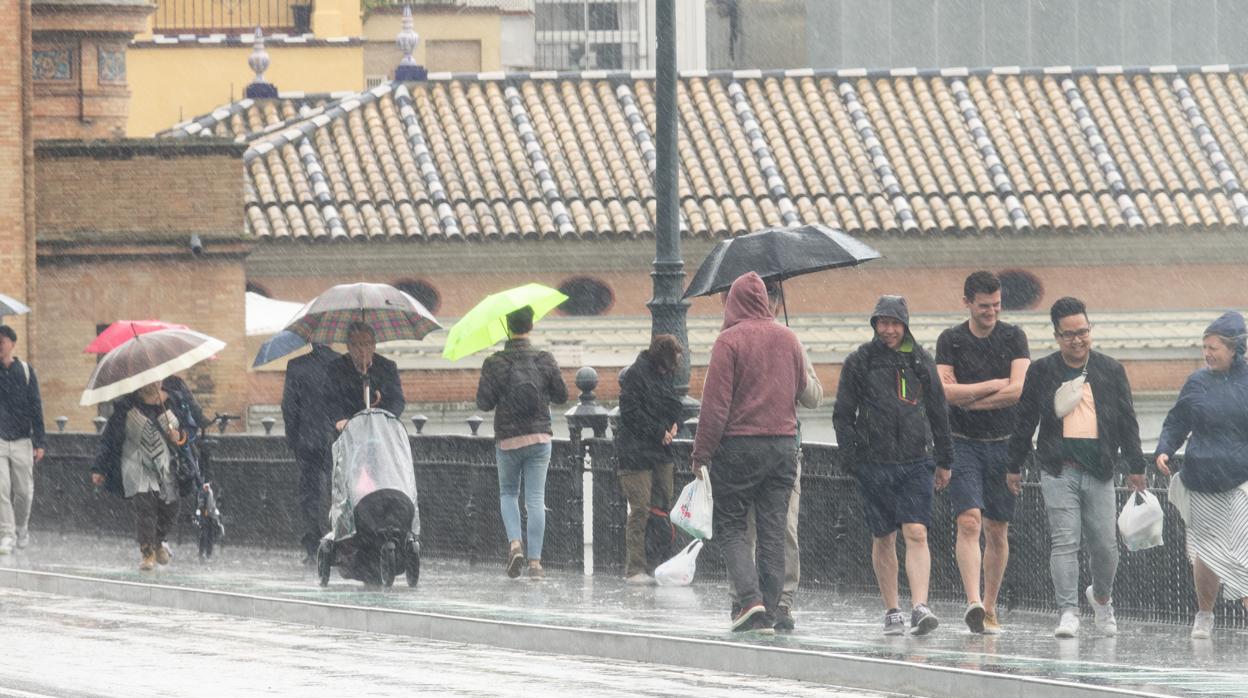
979, 478
896, 494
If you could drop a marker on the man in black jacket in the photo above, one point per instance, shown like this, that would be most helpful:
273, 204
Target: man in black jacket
1082, 402
309, 433
349, 374
21, 442
888, 401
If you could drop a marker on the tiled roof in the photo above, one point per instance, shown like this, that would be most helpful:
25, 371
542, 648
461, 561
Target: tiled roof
540, 155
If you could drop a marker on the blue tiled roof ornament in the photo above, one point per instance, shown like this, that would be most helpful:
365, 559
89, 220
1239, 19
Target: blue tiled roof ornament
407, 41
259, 62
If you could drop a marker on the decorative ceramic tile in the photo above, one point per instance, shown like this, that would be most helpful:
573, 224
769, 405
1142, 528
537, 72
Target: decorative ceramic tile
53, 63
112, 64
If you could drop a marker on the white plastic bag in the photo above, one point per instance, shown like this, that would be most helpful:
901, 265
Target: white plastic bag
1141, 521
678, 571
694, 508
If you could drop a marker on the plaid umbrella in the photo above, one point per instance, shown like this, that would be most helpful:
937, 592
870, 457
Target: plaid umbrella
145, 359
12, 306
391, 313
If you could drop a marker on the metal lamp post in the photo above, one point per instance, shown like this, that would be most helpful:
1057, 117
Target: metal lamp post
667, 308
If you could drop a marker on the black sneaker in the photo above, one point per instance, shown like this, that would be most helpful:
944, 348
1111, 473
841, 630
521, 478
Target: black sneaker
894, 622
750, 618
784, 620
922, 620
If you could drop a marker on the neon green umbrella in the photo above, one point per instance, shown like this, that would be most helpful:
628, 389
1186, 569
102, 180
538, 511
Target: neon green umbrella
486, 324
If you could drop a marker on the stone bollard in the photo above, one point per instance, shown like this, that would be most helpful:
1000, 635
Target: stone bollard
474, 423
99, 423
587, 413
60, 424
268, 423
418, 421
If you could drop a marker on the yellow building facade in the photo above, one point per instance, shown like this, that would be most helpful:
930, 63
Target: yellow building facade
185, 66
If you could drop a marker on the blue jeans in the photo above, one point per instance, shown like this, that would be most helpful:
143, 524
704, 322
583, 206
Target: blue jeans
532, 461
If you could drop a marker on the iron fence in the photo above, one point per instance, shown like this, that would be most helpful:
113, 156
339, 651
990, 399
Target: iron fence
257, 479
202, 17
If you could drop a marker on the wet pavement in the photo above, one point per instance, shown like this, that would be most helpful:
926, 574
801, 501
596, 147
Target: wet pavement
71, 647
1145, 656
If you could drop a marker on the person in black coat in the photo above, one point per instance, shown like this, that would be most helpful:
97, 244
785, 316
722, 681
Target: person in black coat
309, 433
361, 363
649, 418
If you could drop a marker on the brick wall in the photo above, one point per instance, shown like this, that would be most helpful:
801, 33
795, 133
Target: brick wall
1104, 287
114, 222
138, 188
16, 247
76, 296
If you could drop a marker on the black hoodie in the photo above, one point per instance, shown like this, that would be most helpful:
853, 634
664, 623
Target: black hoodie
890, 407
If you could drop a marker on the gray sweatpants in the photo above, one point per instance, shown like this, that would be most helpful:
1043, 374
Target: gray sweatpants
17, 484
1080, 508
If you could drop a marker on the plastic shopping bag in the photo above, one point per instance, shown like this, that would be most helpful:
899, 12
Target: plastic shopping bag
1141, 521
678, 571
694, 508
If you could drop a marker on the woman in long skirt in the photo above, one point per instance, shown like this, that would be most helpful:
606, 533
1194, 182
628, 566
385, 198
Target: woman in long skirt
1211, 489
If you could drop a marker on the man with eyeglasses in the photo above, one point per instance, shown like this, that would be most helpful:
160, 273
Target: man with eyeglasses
1082, 401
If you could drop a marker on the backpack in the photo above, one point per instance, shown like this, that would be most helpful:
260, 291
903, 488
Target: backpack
525, 383
660, 537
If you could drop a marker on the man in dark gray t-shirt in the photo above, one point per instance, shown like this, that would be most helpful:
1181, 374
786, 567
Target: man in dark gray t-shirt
982, 363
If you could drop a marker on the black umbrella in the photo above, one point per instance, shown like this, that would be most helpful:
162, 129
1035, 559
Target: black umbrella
777, 253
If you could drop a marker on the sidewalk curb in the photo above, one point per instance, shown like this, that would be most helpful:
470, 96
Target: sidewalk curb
737, 657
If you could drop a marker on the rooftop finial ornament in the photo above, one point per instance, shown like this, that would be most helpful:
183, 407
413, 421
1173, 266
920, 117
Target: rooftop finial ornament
259, 62
406, 41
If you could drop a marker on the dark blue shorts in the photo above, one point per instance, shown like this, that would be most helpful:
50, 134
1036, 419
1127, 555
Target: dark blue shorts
893, 495
979, 478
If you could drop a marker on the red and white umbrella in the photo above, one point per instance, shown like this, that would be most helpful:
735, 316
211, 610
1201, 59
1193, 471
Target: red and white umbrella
123, 331
144, 359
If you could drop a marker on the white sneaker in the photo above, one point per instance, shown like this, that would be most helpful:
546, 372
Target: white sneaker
639, 579
6, 545
23, 539
1202, 629
1104, 613
1069, 625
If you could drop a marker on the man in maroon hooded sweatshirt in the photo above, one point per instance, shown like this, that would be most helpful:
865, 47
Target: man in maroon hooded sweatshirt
746, 438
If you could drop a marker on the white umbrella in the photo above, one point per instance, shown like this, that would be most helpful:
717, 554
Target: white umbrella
268, 315
145, 359
12, 306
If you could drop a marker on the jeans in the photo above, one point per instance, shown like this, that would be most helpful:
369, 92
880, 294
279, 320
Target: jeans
753, 472
792, 552
532, 462
1080, 507
17, 484
643, 489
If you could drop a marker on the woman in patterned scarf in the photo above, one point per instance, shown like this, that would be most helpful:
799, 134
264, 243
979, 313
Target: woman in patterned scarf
135, 459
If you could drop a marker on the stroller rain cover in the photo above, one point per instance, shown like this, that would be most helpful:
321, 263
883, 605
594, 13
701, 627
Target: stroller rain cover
372, 453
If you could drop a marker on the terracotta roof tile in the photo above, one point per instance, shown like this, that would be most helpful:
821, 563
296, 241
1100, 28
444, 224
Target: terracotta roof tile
872, 153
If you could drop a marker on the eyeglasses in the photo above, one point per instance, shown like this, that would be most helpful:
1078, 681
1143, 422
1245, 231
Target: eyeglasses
1072, 335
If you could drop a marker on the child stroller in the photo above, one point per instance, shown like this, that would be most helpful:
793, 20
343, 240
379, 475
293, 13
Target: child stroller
374, 523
